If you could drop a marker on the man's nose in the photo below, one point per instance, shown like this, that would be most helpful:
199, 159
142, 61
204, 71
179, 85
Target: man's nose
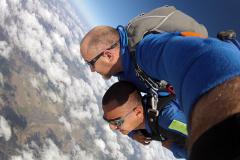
113, 127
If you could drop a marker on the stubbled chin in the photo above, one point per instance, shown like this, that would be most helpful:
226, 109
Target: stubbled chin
106, 77
124, 132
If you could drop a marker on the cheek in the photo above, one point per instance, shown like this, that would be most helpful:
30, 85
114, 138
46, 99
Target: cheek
131, 124
102, 68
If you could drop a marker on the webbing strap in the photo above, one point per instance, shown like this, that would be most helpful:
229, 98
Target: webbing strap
149, 83
153, 87
153, 118
192, 34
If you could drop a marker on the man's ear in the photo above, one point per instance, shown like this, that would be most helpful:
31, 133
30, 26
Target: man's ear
108, 54
138, 110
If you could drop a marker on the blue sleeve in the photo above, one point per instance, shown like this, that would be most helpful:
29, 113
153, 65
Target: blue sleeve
178, 151
192, 65
173, 119
130, 134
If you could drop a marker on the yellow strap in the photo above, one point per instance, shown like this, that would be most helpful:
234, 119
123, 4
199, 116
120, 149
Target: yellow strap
178, 126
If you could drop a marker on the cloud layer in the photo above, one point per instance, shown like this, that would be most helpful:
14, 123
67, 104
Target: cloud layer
49, 32
5, 129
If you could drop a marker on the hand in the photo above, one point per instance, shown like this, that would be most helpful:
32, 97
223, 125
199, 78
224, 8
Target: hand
139, 137
167, 143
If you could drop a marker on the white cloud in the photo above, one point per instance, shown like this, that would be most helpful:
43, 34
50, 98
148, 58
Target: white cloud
128, 147
80, 154
1, 79
49, 32
3, 10
58, 59
5, 129
43, 12
79, 114
74, 49
116, 147
58, 40
101, 144
57, 74
52, 152
91, 130
26, 155
66, 123
60, 26
80, 91
35, 83
5, 49
55, 98
150, 151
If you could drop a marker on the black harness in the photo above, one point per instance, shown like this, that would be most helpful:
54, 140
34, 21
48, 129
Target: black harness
159, 133
155, 103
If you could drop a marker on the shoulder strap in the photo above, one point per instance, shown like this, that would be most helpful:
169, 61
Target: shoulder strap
151, 116
152, 85
158, 132
149, 82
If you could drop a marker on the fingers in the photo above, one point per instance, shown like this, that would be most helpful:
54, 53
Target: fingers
167, 144
147, 142
143, 140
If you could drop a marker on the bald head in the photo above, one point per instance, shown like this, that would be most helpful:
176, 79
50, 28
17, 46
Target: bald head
97, 38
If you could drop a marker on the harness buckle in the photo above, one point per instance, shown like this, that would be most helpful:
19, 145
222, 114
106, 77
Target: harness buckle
162, 84
227, 35
153, 112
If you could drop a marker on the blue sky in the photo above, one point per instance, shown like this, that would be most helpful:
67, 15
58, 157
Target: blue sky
217, 15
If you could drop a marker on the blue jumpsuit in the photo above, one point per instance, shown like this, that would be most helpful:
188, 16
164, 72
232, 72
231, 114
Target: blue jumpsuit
171, 112
172, 120
192, 65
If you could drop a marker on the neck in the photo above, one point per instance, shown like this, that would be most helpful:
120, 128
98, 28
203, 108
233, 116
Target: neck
142, 125
118, 66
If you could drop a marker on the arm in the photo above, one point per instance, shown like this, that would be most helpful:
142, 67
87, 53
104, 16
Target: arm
178, 151
173, 120
140, 136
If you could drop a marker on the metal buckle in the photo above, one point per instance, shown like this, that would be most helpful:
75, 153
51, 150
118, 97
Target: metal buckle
153, 111
227, 35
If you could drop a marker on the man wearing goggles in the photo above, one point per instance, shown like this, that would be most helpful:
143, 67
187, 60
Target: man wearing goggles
125, 112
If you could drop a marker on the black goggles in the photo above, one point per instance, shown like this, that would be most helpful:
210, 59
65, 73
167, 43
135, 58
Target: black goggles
118, 121
94, 60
